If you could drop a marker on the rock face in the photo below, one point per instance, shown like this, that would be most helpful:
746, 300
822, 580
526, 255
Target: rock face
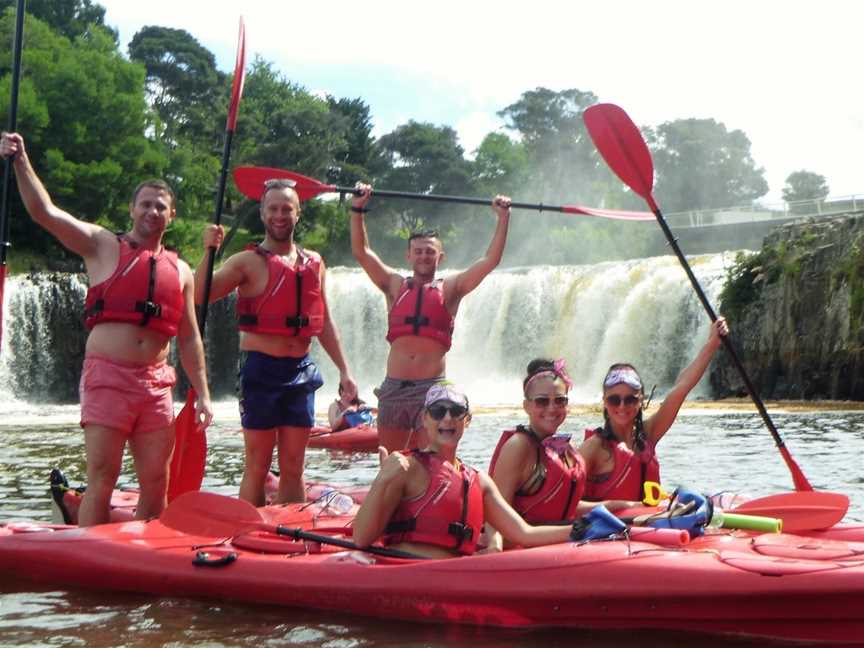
796, 308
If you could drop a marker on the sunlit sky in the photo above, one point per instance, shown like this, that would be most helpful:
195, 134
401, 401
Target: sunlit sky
786, 73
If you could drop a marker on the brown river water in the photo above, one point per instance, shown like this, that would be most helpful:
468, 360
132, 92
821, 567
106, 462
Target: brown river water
711, 448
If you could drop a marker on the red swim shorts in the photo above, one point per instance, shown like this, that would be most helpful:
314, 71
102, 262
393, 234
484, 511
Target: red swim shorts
125, 396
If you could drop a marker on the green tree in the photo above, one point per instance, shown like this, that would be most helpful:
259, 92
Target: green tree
83, 114
500, 165
805, 185
700, 165
70, 18
183, 84
361, 157
560, 153
424, 158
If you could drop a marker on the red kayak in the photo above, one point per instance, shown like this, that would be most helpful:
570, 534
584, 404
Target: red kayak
774, 586
66, 500
363, 438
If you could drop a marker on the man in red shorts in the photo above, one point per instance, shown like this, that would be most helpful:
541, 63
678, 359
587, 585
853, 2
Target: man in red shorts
281, 306
140, 296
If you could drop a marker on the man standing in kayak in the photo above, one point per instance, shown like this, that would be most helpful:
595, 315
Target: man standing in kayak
421, 315
140, 296
281, 306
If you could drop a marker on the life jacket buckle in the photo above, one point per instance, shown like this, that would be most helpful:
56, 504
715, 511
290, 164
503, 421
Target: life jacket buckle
461, 531
149, 309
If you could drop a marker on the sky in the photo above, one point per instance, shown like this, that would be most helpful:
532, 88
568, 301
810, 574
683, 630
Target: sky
786, 73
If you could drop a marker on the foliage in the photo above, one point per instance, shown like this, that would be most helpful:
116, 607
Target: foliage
69, 18
182, 81
93, 119
84, 118
700, 165
805, 185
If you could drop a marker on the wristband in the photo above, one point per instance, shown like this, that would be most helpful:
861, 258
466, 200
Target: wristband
358, 210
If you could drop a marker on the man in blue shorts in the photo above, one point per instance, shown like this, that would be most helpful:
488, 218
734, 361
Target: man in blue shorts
281, 306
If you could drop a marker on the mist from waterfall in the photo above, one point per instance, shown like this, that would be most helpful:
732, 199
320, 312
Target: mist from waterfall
643, 311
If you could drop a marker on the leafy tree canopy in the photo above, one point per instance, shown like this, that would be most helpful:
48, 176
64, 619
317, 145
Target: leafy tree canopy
805, 185
700, 165
70, 18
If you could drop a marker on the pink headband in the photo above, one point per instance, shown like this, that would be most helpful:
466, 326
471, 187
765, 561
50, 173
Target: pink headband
557, 371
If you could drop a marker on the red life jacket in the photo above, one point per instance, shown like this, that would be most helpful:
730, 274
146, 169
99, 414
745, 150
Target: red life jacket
145, 289
626, 480
562, 471
420, 310
449, 514
291, 304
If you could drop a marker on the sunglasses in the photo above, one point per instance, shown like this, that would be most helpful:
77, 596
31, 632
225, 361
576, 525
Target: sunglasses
615, 400
438, 412
545, 401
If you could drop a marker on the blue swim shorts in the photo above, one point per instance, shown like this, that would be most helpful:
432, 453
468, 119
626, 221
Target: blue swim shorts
276, 392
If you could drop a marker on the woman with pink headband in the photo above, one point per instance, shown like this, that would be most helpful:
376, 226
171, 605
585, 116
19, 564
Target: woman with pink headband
541, 475
620, 456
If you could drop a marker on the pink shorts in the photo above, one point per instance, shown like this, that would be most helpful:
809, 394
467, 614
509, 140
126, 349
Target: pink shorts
126, 397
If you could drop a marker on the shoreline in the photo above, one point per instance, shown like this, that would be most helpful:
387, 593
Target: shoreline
702, 406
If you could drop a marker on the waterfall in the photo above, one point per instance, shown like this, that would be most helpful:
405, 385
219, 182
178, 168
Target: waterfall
642, 311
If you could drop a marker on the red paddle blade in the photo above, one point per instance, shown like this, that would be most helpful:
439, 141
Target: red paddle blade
621, 144
210, 514
801, 510
250, 181
617, 214
190, 452
239, 77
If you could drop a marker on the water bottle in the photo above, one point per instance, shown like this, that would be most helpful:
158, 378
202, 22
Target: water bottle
330, 499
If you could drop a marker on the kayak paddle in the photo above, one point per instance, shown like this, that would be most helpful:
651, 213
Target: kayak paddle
250, 181
801, 510
17, 46
219, 516
190, 441
622, 146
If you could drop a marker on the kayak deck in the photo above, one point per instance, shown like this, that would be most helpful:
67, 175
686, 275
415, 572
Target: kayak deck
773, 585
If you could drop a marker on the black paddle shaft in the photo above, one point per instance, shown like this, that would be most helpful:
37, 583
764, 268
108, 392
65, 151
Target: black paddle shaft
751, 389
464, 200
13, 125
217, 219
300, 534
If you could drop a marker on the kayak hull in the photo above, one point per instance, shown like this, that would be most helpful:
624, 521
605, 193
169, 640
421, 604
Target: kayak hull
363, 438
774, 585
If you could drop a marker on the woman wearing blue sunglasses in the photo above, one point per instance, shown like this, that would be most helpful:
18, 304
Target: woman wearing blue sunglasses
620, 457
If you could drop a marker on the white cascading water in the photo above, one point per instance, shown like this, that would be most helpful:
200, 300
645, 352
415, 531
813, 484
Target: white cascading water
642, 311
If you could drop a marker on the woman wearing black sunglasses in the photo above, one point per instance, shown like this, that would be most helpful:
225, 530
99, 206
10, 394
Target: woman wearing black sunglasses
620, 456
429, 503
541, 474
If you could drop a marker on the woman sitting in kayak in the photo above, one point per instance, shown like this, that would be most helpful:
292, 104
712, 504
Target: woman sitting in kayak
541, 474
620, 457
343, 414
431, 504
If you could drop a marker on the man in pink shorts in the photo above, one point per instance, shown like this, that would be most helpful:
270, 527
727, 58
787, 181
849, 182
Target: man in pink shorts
140, 296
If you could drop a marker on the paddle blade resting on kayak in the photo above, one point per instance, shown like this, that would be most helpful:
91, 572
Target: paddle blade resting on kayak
190, 444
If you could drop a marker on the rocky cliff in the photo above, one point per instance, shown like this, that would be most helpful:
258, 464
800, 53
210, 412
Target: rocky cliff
797, 312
